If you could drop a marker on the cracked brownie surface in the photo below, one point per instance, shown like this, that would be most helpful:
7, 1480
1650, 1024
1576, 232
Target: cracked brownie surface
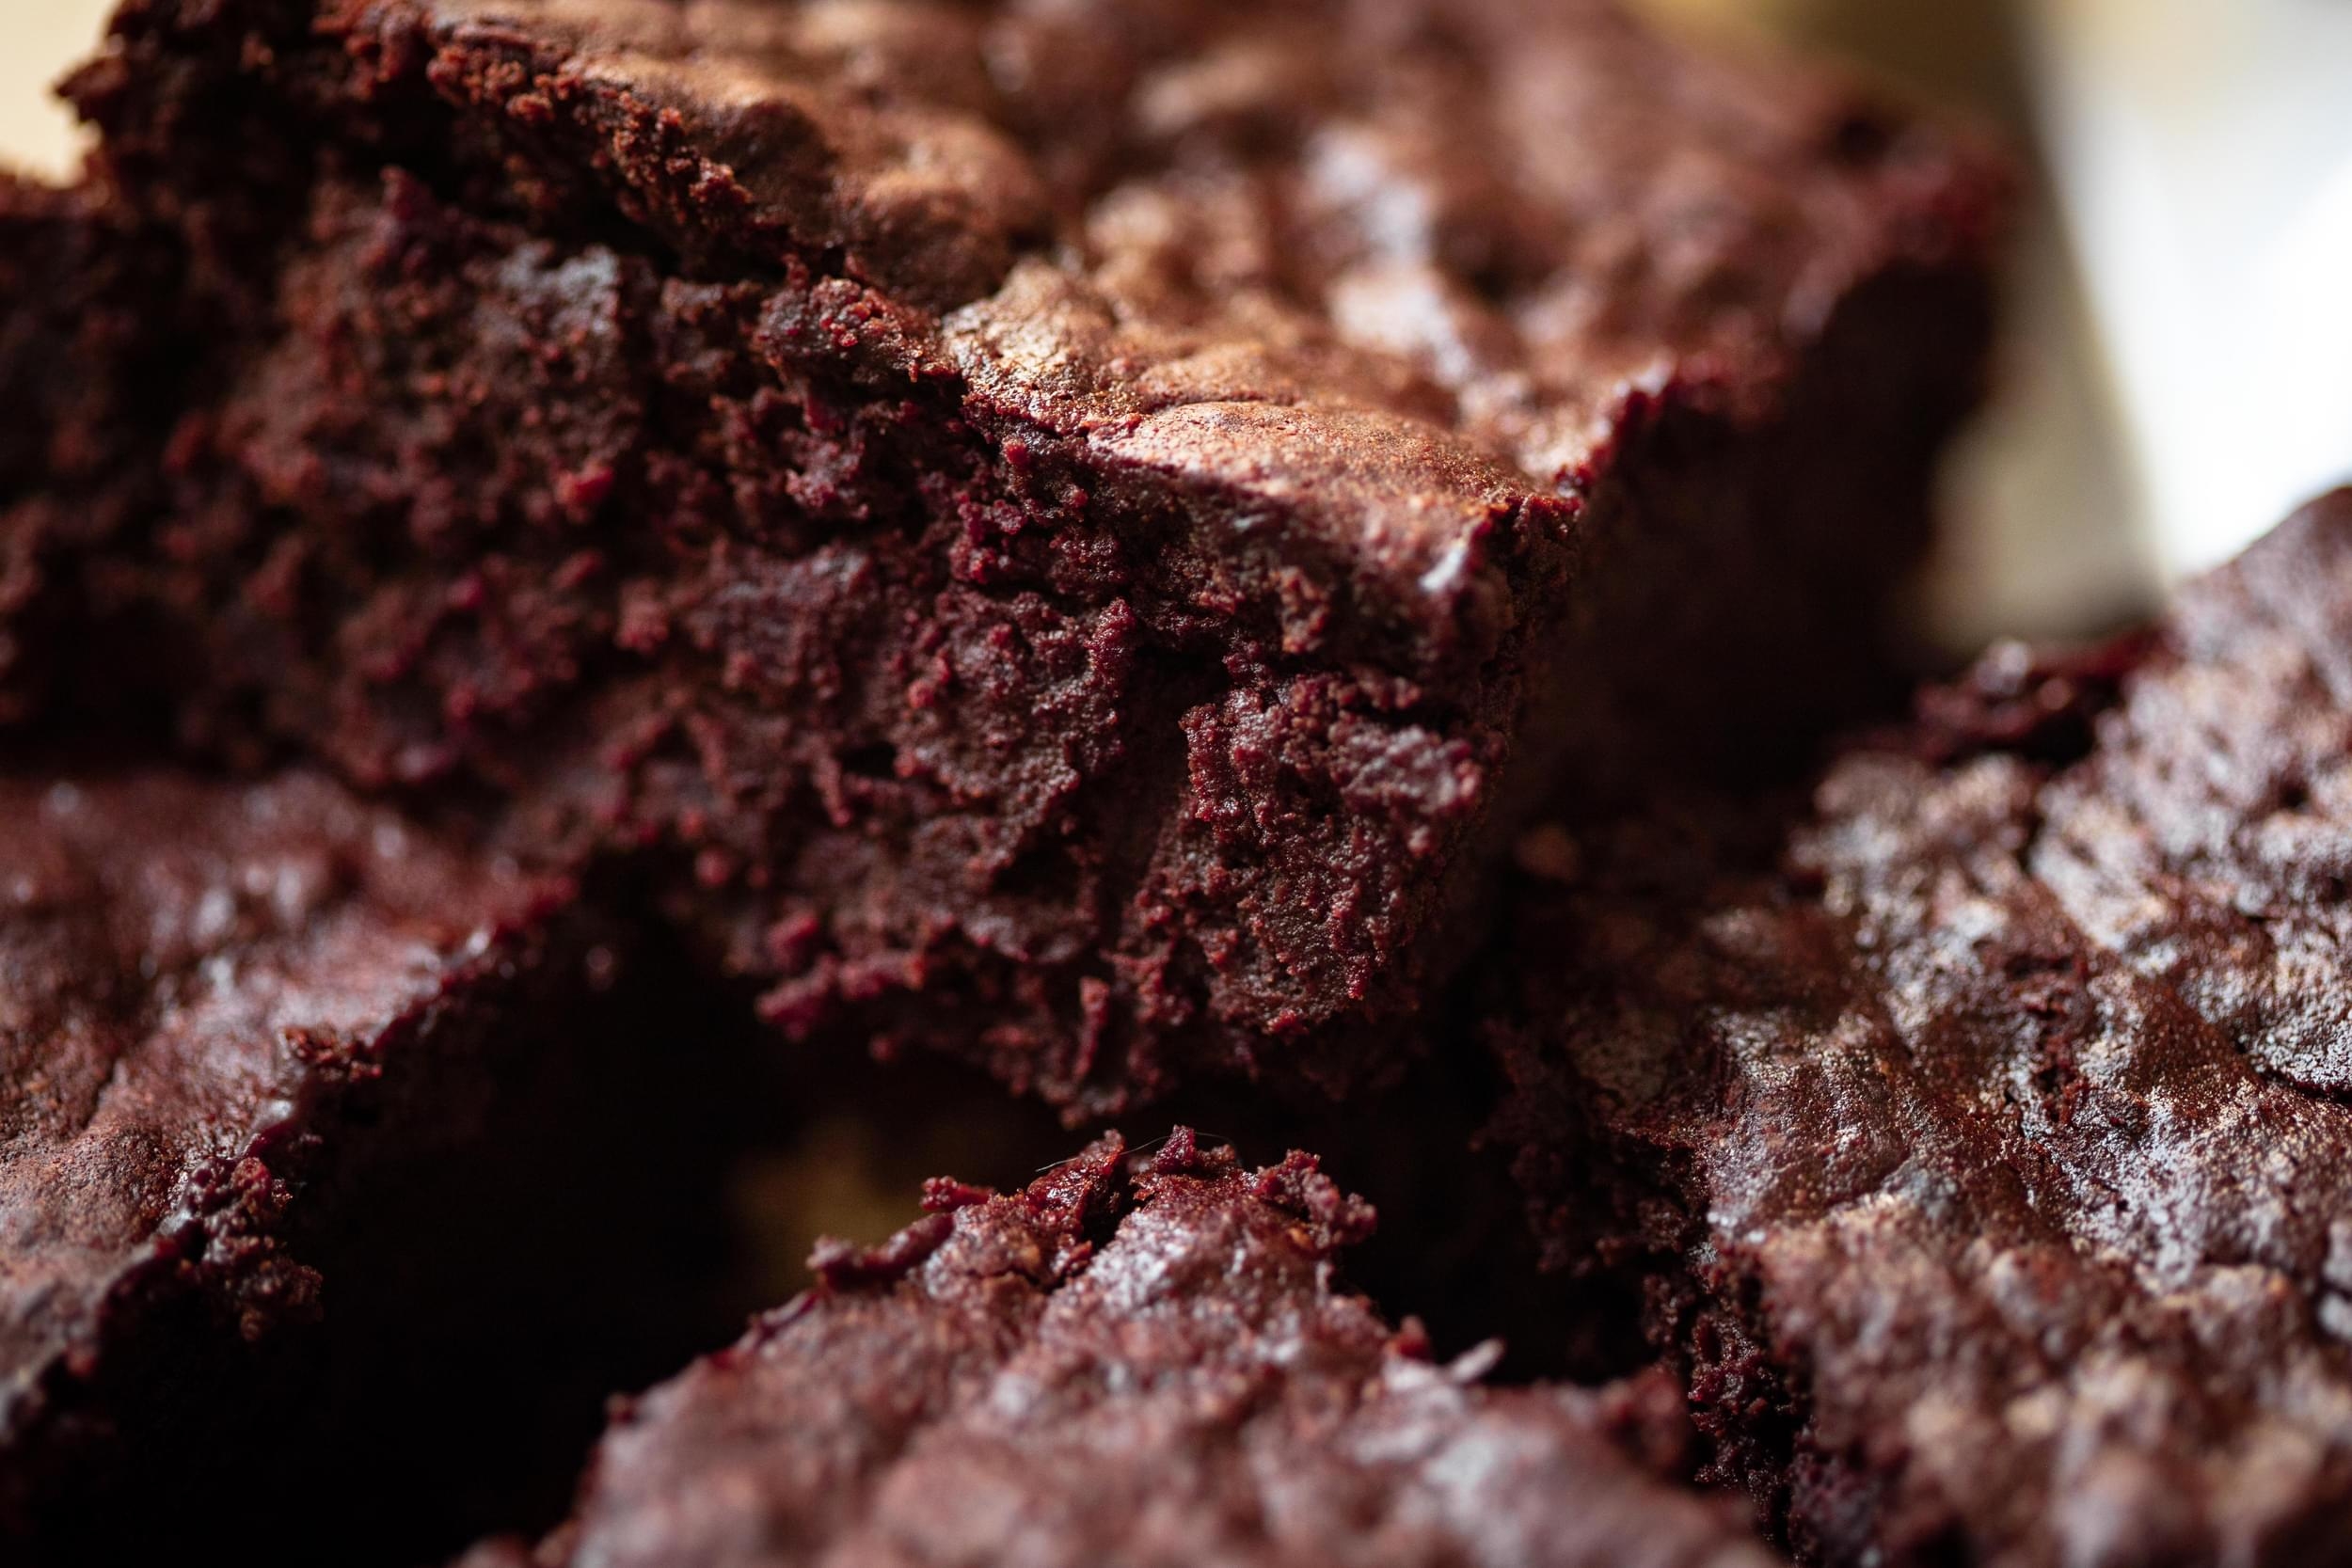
288, 1087
1980, 1124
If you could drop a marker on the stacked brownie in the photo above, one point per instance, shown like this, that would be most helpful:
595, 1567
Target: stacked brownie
1069, 533
1970, 1126
1289, 558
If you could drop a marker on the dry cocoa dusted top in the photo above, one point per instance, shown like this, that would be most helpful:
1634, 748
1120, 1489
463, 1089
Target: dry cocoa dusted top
1143, 1363
185, 969
2002, 1122
1394, 261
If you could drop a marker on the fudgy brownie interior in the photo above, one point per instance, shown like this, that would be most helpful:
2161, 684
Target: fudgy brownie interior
1068, 533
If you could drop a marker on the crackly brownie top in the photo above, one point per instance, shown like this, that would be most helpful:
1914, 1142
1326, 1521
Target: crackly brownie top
2006, 1109
1388, 266
182, 966
1138, 1362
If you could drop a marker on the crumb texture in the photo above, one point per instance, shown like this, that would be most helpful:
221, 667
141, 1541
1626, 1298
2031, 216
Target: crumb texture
1090, 517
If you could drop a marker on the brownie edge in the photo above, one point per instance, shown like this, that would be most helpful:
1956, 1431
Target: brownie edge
1981, 1125
1141, 1360
1065, 534
307, 1124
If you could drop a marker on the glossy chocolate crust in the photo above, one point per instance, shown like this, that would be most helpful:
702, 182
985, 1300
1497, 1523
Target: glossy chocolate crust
1069, 530
1141, 1362
263, 1049
1986, 1136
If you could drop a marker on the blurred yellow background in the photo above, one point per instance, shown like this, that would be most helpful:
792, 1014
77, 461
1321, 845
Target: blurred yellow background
39, 38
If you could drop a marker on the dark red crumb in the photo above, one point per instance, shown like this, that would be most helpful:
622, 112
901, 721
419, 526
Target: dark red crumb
1069, 535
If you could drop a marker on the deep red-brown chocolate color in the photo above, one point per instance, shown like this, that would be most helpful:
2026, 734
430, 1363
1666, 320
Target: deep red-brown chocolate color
308, 1121
1141, 1362
1983, 1132
1071, 531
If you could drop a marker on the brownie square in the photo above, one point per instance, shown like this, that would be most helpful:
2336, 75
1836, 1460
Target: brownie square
308, 1123
1138, 1360
1980, 1126
1070, 533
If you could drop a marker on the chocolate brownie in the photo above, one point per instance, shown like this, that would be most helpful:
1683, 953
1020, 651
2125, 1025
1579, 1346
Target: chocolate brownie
1137, 1362
89, 361
307, 1126
1069, 529
1982, 1129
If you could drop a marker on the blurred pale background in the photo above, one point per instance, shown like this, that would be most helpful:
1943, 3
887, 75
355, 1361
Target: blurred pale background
38, 40
2135, 431
2182, 359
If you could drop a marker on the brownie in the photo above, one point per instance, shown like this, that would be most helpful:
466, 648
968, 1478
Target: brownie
88, 363
1070, 533
1980, 1124
307, 1126
1137, 1360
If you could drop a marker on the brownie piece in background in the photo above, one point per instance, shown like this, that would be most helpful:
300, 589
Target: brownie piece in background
1138, 1361
1982, 1127
1072, 532
321, 1144
92, 359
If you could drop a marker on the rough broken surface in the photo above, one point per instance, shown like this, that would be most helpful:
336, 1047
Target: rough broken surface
1986, 1135
251, 1037
1141, 1362
89, 362
1091, 517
